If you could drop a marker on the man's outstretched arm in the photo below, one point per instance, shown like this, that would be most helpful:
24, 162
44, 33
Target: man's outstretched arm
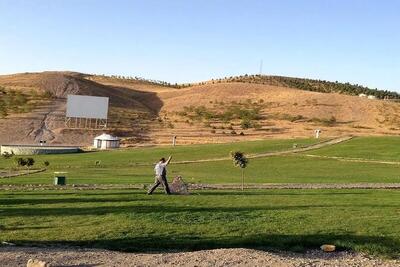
168, 160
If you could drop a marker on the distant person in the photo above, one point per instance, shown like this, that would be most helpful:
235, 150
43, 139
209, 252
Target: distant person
161, 176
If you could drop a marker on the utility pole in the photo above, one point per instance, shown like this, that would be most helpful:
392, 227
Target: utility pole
261, 66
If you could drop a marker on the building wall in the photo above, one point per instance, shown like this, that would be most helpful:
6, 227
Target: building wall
32, 150
106, 144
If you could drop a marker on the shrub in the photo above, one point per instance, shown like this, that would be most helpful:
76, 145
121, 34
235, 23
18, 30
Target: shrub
233, 132
30, 162
7, 155
170, 125
20, 162
213, 131
245, 124
241, 133
257, 126
46, 163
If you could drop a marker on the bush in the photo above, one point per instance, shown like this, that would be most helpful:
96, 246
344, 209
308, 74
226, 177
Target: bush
213, 131
233, 132
257, 126
30, 162
7, 155
241, 133
46, 163
20, 162
245, 124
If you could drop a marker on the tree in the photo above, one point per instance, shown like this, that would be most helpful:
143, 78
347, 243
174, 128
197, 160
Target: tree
20, 162
30, 162
7, 155
46, 164
240, 160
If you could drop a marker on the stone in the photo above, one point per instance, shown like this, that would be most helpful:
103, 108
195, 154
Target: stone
328, 248
178, 186
37, 263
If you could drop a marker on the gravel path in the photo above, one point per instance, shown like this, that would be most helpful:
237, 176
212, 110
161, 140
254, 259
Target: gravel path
207, 186
18, 256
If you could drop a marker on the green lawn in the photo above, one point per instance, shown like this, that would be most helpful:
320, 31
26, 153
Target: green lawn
125, 157
378, 148
360, 220
120, 166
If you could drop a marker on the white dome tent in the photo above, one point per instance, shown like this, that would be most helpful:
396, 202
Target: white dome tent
106, 141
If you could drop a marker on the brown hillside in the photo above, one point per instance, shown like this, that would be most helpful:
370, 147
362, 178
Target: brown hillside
145, 112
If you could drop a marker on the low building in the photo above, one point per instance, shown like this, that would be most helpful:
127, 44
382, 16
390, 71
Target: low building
371, 97
362, 95
37, 150
106, 141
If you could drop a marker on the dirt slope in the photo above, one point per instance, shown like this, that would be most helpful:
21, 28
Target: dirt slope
146, 112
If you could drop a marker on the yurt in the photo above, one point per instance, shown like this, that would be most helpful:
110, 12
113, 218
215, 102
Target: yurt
106, 141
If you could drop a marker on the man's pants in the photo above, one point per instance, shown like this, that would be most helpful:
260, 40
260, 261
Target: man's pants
160, 180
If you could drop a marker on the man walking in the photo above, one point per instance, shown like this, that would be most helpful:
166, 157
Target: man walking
161, 176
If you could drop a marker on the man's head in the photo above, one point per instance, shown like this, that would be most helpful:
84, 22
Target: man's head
162, 160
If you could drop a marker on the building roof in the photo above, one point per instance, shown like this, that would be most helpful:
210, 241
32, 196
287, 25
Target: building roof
106, 137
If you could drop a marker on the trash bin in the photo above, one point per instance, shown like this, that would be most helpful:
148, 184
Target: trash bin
60, 178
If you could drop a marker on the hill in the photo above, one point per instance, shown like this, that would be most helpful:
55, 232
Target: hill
313, 85
32, 108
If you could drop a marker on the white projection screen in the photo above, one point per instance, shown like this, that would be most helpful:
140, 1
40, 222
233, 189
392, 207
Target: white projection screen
90, 107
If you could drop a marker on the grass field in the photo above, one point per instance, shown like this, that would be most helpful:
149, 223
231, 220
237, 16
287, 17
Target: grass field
121, 166
375, 148
360, 220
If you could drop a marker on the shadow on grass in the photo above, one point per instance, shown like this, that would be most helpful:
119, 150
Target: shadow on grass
266, 192
132, 208
78, 193
380, 246
77, 200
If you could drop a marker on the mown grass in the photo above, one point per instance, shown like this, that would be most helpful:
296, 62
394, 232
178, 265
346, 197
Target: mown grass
378, 148
121, 167
129, 220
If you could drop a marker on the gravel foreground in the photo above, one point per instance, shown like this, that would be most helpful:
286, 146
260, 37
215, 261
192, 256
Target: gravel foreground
18, 256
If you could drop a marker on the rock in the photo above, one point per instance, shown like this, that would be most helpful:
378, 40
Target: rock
328, 248
178, 186
37, 263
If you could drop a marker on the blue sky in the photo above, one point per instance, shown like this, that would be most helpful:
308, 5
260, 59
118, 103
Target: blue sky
182, 41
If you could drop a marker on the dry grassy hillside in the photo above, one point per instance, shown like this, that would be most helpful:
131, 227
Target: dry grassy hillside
147, 112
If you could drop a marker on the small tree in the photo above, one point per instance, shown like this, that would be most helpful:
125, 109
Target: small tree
30, 162
20, 162
7, 155
240, 160
46, 164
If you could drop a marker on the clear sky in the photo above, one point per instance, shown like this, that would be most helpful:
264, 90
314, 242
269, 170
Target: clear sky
193, 40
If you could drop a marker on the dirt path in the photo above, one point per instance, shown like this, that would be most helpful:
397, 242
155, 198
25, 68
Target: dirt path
10, 174
18, 256
355, 159
329, 142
